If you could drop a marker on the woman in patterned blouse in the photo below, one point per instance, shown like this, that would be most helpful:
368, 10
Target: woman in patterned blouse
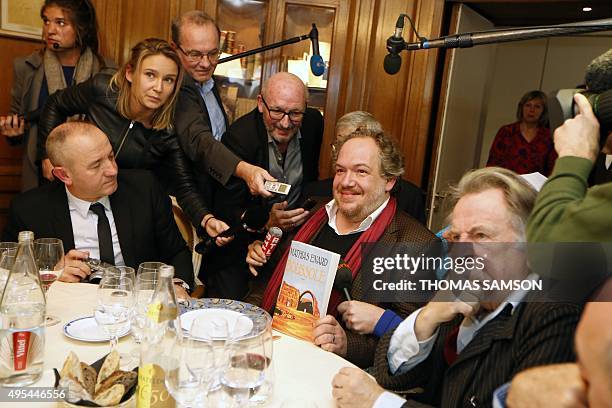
525, 146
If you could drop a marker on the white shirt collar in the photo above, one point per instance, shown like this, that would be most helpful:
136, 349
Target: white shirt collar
332, 209
82, 206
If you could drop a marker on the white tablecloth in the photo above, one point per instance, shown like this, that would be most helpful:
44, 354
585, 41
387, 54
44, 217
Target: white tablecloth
303, 372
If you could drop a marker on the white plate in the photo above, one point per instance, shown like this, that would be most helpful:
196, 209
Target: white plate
86, 329
238, 324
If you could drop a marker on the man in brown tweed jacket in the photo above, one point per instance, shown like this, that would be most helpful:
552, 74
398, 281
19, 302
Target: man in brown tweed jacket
455, 354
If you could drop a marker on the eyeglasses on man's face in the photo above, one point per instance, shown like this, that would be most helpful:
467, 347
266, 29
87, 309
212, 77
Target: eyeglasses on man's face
196, 56
277, 114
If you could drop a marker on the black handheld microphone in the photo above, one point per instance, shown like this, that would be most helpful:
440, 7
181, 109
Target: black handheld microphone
254, 218
56, 46
317, 66
395, 45
344, 279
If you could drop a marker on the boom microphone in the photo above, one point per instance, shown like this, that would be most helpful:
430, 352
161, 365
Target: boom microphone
253, 219
317, 66
395, 45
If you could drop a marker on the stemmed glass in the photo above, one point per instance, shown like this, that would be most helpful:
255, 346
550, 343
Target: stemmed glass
190, 371
122, 272
215, 332
115, 300
49, 256
152, 267
245, 370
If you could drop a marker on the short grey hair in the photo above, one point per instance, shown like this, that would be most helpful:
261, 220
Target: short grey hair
196, 17
349, 122
57, 139
519, 195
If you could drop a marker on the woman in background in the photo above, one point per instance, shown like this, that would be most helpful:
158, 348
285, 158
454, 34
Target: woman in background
526, 146
69, 56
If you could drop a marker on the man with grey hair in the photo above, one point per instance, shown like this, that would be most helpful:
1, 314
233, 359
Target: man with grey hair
367, 165
121, 219
200, 119
458, 350
284, 137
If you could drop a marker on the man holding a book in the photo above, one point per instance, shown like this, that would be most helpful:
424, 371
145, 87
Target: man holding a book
367, 165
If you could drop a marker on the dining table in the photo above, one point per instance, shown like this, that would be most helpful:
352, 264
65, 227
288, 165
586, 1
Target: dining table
303, 372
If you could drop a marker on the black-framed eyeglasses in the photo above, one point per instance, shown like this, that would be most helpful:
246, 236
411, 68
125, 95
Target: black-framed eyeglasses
196, 56
277, 114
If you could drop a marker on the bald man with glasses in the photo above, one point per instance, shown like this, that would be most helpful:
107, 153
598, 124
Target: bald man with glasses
282, 136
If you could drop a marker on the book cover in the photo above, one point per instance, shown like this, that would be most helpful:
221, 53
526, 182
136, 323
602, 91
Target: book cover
304, 293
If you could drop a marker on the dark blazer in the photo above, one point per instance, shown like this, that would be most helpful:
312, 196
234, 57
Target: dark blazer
192, 125
225, 271
248, 138
535, 334
143, 218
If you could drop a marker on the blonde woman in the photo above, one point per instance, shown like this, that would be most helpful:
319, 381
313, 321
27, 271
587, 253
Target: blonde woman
135, 108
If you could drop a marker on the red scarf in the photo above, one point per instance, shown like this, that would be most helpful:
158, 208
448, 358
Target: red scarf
353, 258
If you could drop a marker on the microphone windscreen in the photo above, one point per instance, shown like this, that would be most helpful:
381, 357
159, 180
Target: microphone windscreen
56, 46
598, 75
344, 277
317, 66
392, 63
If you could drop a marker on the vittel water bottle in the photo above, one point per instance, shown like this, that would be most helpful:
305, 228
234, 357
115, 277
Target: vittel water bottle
22, 314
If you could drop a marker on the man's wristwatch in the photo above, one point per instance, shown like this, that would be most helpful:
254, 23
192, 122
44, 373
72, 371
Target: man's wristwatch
181, 283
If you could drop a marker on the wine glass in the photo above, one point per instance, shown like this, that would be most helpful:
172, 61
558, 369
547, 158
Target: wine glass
215, 332
115, 300
261, 395
152, 267
245, 370
49, 256
189, 371
122, 272
143, 292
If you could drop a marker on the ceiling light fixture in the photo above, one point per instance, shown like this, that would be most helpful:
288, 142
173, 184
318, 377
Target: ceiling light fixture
587, 9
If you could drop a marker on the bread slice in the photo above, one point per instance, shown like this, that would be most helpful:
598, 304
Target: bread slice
125, 378
89, 377
71, 367
110, 365
111, 396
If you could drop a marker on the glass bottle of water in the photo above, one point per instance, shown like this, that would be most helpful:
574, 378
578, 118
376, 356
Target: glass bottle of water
22, 314
160, 331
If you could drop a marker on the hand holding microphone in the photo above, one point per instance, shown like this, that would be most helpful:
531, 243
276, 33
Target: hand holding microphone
259, 251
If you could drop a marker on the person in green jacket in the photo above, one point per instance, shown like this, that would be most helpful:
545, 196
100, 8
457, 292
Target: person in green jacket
566, 210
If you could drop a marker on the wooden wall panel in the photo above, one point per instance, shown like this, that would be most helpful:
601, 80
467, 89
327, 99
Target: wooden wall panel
10, 156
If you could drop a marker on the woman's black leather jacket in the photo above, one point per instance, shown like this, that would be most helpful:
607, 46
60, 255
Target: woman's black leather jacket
134, 145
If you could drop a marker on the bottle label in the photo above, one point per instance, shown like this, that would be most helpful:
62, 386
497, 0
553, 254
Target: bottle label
158, 312
152, 392
21, 346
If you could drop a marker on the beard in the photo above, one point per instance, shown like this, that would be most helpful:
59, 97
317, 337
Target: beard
358, 211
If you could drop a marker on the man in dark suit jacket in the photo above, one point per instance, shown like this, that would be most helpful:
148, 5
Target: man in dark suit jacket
284, 137
137, 215
455, 353
200, 119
